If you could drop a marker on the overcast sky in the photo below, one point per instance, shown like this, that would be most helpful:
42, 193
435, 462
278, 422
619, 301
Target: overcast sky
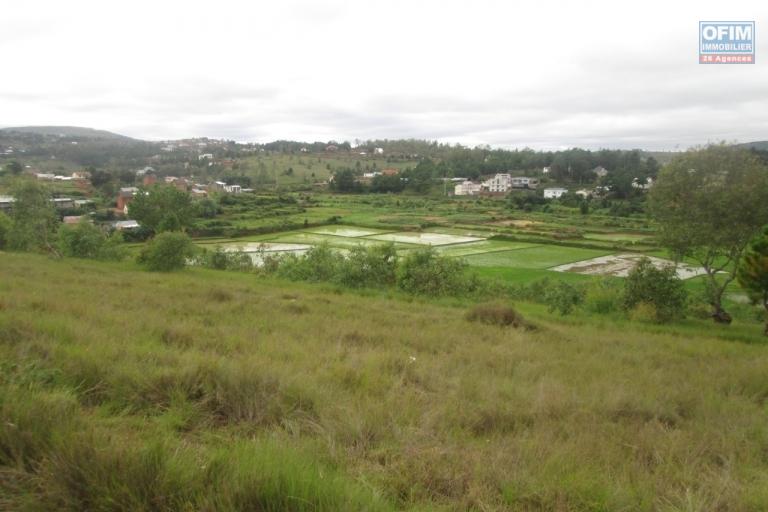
542, 74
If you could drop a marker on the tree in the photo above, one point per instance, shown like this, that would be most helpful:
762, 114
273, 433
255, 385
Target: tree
344, 181
162, 208
167, 252
34, 218
426, 272
5, 228
420, 177
753, 271
14, 168
84, 240
708, 204
656, 287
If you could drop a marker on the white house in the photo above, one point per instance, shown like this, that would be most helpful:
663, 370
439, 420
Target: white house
554, 193
146, 170
583, 193
467, 188
125, 224
600, 171
636, 183
378, 151
524, 182
233, 189
499, 183
545, 170
205, 156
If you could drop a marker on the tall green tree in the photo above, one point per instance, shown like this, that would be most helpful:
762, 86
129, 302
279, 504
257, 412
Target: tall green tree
13, 167
709, 203
753, 271
344, 181
34, 218
162, 208
5, 228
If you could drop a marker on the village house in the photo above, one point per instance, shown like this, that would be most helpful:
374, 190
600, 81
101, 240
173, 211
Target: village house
45, 176
124, 198
6, 203
122, 225
554, 193
467, 188
390, 172
63, 202
74, 219
500, 183
600, 171
524, 182
145, 170
638, 184
205, 156
378, 151
545, 170
148, 180
81, 203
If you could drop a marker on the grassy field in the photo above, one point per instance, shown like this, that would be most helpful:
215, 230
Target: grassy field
205, 390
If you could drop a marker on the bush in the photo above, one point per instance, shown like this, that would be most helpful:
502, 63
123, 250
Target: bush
425, 272
659, 287
166, 252
320, 263
222, 259
369, 266
84, 240
493, 313
563, 298
5, 228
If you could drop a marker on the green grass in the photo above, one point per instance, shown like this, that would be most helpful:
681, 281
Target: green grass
538, 257
203, 390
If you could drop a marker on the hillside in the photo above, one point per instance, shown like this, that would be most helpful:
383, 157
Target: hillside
67, 131
761, 145
208, 390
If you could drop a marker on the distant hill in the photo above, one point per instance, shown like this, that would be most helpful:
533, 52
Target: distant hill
68, 131
760, 145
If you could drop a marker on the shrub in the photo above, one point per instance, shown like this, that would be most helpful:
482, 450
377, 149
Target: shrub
659, 287
84, 240
563, 298
369, 266
320, 263
494, 313
426, 272
222, 259
5, 228
166, 252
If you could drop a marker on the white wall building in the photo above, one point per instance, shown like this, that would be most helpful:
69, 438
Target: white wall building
554, 193
499, 183
467, 188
